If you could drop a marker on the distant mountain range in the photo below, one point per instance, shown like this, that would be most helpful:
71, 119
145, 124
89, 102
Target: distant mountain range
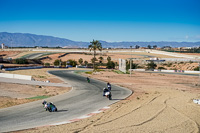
32, 40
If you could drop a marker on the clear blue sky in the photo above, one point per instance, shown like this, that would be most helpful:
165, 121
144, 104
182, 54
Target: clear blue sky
108, 20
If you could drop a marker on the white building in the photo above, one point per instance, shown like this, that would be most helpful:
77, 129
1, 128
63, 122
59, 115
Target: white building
2, 46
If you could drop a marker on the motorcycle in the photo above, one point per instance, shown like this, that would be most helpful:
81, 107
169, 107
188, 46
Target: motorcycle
88, 80
49, 106
107, 93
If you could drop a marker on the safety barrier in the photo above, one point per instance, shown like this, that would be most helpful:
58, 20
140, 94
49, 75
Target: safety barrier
22, 68
15, 76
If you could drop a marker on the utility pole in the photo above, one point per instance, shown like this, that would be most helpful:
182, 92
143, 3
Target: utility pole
130, 61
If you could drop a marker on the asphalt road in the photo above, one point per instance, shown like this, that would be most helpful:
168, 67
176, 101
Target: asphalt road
83, 99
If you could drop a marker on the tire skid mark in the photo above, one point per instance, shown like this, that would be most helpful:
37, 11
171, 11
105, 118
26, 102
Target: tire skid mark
182, 114
132, 110
195, 123
150, 119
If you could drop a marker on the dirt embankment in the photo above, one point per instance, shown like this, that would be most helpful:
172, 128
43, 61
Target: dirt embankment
14, 94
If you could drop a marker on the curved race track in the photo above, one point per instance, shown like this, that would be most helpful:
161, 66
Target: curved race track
83, 99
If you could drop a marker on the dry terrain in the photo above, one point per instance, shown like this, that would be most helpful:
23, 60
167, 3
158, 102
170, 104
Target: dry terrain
159, 103
13, 94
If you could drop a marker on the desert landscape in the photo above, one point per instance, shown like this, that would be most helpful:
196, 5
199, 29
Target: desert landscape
159, 102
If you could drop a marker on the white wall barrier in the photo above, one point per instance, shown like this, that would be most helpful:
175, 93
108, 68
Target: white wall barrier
198, 72
137, 69
179, 71
167, 71
15, 76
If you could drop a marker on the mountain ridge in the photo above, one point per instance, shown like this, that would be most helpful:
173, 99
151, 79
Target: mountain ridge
32, 40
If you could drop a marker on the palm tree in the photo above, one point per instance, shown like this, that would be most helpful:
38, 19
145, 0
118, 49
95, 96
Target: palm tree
95, 45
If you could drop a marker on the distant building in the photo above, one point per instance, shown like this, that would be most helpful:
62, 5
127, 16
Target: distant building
167, 48
143, 48
2, 46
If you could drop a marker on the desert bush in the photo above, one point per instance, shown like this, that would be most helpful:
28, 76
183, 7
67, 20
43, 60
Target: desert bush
196, 68
134, 65
110, 65
47, 64
21, 61
190, 61
169, 64
161, 68
151, 65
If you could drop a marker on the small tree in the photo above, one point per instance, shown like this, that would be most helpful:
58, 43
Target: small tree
56, 62
47, 64
137, 46
93, 60
196, 69
85, 62
110, 65
100, 59
80, 61
154, 46
72, 62
151, 65
63, 64
134, 66
149, 46
108, 58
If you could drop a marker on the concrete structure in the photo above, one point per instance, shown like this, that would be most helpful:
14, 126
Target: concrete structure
122, 65
2, 46
15, 76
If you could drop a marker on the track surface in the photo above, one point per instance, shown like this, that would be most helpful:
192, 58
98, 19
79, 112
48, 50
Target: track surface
83, 99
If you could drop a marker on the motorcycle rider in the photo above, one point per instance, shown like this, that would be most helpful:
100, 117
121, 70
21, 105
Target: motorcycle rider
109, 86
49, 106
88, 80
107, 93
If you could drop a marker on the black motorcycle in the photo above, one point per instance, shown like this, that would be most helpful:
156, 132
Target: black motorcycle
107, 93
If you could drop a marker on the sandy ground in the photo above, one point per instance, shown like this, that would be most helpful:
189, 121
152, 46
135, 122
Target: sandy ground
139, 58
14, 94
160, 103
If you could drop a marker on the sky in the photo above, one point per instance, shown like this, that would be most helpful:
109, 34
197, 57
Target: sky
107, 20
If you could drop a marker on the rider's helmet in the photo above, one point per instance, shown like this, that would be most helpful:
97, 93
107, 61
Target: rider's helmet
44, 102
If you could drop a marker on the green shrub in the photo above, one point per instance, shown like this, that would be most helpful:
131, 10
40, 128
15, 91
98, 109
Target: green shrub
151, 65
196, 69
21, 61
134, 66
56, 63
161, 68
47, 64
89, 72
110, 65
169, 64
72, 62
